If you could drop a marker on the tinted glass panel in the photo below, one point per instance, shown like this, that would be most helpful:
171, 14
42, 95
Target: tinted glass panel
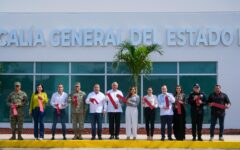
52, 67
16, 67
93, 67
198, 67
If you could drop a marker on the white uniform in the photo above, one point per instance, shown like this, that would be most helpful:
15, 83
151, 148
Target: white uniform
110, 107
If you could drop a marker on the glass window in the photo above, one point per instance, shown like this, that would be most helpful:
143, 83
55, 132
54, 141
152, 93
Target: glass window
88, 67
7, 87
50, 83
122, 68
164, 68
87, 83
206, 83
16, 67
198, 67
52, 67
156, 82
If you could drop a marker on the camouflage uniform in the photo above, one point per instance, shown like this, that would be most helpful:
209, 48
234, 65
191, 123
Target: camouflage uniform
19, 99
78, 113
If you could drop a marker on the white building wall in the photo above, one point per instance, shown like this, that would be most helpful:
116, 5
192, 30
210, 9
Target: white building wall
201, 14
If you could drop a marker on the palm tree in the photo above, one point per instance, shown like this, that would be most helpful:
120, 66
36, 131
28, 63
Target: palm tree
136, 58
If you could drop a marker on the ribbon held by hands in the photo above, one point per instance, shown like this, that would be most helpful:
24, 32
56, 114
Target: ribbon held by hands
92, 100
75, 100
198, 101
58, 109
221, 106
40, 103
179, 109
14, 109
148, 103
167, 102
123, 99
112, 101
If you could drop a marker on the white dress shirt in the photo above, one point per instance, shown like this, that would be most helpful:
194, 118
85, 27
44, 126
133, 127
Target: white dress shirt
110, 107
152, 99
162, 104
61, 100
101, 99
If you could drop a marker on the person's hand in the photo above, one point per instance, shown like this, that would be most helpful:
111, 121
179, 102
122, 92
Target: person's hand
30, 113
104, 112
210, 104
195, 97
165, 107
200, 102
227, 106
180, 101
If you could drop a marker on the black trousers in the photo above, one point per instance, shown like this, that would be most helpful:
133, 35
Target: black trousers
149, 115
166, 119
197, 121
179, 125
213, 123
114, 123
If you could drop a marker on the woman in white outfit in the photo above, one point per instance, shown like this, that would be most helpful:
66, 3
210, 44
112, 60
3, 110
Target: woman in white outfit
132, 113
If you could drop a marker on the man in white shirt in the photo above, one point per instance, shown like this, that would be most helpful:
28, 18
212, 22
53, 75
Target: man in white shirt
98, 106
59, 103
114, 109
165, 101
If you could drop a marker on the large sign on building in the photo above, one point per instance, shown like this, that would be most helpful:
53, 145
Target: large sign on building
99, 37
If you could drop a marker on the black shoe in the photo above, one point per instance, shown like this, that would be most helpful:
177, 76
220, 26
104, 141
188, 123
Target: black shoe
64, 138
13, 137
20, 137
194, 139
100, 138
93, 138
162, 139
111, 137
117, 137
53, 138
170, 139
200, 139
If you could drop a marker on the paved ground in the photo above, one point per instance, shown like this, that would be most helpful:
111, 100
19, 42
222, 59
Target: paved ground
3, 137
139, 137
108, 149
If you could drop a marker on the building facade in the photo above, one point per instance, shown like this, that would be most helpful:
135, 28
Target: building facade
52, 47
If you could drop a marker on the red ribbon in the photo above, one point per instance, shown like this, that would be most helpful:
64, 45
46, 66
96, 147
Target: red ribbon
179, 109
121, 98
93, 100
148, 103
40, 103
112, 101
198, 101
218, 105
58, 109
75, 100
167, 101
14, 109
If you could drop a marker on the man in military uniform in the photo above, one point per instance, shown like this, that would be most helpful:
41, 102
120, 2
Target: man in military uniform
197, 100
78, 109
17, 101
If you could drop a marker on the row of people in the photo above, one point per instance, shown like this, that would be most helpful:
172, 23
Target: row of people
172, 110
